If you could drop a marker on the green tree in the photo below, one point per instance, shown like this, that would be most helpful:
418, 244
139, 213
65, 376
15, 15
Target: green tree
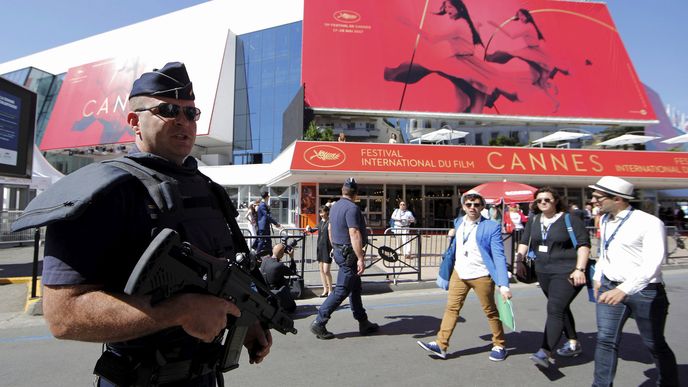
313, 133
327, 134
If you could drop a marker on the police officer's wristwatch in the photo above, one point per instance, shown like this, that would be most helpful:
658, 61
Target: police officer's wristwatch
582, 269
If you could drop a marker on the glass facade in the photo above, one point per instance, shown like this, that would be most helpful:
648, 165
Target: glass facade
268, 75
46, 86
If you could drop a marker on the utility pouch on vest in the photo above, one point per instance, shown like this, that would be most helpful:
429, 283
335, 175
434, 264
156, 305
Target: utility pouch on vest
117, 369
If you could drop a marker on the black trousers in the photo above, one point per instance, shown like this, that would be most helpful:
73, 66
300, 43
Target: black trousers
560, 293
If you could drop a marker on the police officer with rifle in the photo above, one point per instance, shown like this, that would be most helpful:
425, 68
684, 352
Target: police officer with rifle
103, 217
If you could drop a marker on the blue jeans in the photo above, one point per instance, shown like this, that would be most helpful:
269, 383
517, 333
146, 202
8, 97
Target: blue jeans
348, 285
649, 308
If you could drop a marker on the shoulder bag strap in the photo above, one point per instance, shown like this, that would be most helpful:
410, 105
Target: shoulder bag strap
569, 228
536, 219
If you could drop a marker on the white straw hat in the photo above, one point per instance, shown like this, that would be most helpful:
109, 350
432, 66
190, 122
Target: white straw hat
614, 186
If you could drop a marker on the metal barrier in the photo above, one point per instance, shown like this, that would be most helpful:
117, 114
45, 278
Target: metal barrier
431, 243
9, 237
675, 243
395, 252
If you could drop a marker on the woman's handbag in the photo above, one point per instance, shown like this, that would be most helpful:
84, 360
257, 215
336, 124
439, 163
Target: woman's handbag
525, 270
525, 267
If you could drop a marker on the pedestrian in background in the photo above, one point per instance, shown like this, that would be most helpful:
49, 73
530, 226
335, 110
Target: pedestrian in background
403, 219
628, 282
516, 217
252, 217
263, 243
347, 231
324, 250
560, 265
475, 260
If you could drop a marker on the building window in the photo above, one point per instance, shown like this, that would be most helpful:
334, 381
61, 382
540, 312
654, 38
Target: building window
268, 75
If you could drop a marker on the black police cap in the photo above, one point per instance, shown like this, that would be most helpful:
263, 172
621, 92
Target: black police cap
351, 183
171, 81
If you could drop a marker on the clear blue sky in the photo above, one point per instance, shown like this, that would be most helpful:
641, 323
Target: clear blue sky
654, 32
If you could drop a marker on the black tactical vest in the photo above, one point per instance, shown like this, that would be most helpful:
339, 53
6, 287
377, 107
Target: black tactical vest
179, 197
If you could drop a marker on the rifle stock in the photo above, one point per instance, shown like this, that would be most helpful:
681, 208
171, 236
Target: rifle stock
170, 266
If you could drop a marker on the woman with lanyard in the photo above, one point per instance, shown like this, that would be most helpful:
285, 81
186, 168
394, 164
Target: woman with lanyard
560, 267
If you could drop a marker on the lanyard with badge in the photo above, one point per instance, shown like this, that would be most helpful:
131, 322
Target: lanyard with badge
605, 242
466, 236
542, 248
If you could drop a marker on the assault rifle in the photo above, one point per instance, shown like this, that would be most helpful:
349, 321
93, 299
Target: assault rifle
170, 266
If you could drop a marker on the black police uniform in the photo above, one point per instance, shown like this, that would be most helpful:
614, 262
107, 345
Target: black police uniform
345, 215
103, 244
98, 238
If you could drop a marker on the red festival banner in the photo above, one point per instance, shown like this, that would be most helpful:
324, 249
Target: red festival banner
371, 157
91, 107
535, 58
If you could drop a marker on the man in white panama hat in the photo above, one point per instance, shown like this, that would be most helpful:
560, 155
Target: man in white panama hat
628, 281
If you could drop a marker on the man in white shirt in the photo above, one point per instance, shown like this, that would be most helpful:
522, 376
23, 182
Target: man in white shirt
403, 218
628, 281
475, 260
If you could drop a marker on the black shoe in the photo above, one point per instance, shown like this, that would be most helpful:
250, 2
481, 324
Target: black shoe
320, 331
365, 327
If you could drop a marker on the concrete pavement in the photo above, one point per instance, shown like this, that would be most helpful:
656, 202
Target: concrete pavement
16, 267
31, 356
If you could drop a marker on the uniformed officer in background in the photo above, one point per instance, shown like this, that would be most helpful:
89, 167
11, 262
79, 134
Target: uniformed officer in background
348, 235
89, 257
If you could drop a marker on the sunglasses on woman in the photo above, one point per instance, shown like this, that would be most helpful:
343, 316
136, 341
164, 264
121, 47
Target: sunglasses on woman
170, 110
543, 200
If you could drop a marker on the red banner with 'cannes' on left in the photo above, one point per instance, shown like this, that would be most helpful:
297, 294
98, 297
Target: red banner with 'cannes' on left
91, 107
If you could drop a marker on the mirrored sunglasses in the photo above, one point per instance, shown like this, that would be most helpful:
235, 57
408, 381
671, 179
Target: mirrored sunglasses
170, 110
543, 200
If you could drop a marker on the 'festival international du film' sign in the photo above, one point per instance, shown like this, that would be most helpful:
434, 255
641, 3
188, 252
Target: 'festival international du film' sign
371, 157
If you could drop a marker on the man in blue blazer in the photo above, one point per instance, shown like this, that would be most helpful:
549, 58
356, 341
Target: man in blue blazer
263, 243
475, 260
